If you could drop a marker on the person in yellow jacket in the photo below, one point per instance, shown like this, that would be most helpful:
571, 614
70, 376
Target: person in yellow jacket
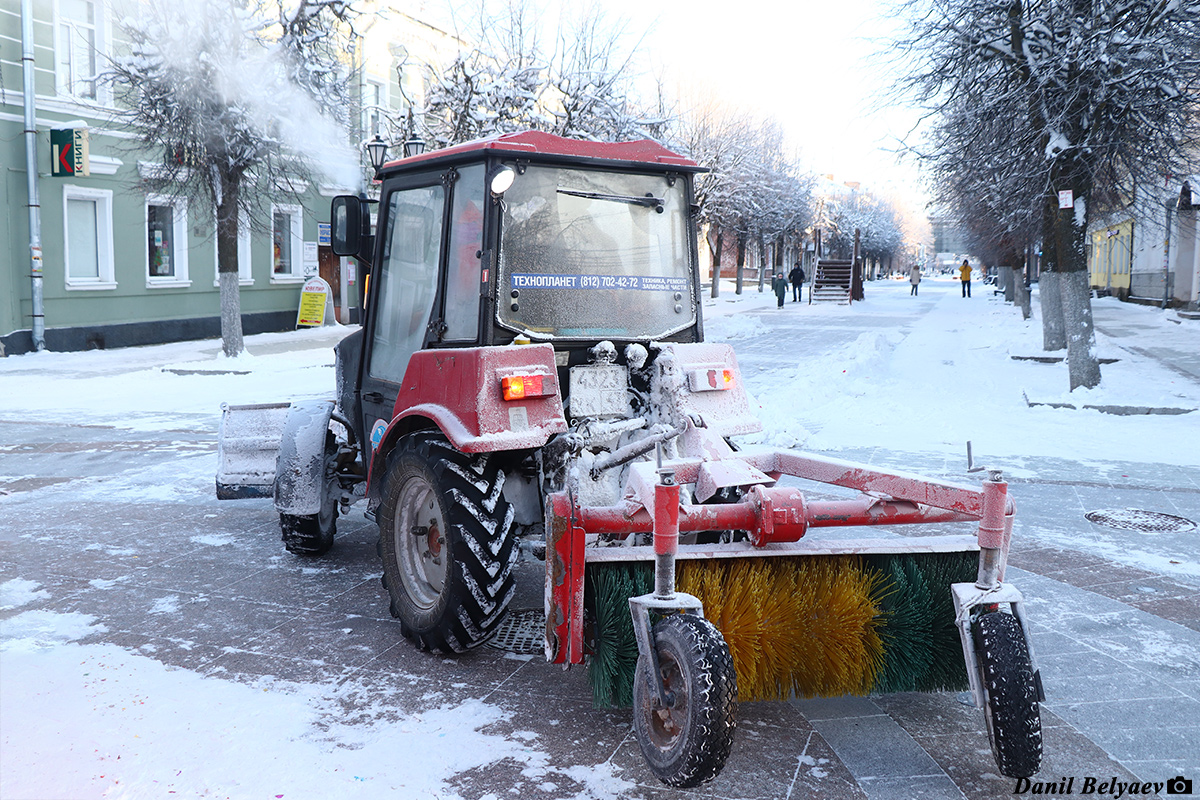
964, 275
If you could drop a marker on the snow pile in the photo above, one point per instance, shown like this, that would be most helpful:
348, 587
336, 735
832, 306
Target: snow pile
20, 592
944, 377
168, 387
118, 724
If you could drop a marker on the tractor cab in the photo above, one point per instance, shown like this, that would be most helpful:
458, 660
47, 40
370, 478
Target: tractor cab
519, 239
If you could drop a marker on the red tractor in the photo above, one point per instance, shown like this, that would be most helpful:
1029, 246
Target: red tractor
532, 366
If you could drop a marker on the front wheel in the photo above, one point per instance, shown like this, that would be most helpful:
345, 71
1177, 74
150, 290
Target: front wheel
447, 541
1014, 722
687, 740
312, 534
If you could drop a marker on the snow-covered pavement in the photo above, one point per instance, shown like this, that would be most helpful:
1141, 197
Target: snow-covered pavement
157, 643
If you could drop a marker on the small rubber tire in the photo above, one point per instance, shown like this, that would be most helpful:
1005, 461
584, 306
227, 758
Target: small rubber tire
686, 744
447, 539
1014, 722
312, 534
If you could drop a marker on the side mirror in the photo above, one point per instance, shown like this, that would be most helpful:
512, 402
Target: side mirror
345, 218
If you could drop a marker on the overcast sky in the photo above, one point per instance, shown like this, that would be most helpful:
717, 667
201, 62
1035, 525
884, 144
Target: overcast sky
813, 65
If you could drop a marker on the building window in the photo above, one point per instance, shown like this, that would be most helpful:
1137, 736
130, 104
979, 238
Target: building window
79, 39
166, 241
373, 102
287, 242
87, 238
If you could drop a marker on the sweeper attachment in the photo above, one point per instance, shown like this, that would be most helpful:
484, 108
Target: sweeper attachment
532, 377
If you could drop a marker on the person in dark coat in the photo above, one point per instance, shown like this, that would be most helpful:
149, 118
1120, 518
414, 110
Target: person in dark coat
779, 285
796, 276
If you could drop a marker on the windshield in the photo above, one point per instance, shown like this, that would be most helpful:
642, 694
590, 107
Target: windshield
590, 254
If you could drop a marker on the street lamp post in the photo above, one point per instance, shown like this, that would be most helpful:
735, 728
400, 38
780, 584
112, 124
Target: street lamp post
377, 152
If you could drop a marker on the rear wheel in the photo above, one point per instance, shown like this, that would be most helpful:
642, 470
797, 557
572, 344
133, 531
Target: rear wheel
686, 741
312, 534
1014, 723
447, 542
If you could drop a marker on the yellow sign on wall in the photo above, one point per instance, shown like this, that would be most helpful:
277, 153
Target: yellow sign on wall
314, 298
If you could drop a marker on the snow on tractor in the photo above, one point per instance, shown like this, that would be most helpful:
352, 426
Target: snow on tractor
532, 366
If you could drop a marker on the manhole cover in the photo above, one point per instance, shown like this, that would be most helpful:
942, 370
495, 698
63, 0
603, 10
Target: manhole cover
1135, 519
522, 632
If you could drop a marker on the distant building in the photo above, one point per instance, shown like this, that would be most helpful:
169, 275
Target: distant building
1153, 258
949, 243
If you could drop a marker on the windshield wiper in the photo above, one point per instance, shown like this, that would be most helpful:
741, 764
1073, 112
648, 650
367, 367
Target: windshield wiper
649, 201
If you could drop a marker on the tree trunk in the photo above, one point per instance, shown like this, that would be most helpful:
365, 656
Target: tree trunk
1020, 289
1054, 332
762, 263
1083, 365
1076, 297
227, 265
741, 262
716, 265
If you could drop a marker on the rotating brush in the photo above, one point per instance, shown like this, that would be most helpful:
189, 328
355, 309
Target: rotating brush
802, 626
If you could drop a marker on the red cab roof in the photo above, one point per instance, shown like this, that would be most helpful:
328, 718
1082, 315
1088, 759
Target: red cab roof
539, 143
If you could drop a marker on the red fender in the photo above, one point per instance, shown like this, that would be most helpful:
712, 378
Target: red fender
459, 392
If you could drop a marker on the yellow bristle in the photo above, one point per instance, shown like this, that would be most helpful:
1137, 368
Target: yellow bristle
806, 626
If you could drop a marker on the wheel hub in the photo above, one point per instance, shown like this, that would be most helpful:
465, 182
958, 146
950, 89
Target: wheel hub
667, 721
419, 543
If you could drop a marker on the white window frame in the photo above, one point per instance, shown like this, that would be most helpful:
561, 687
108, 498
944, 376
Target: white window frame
296, 275
245, 260
62, 44
104, 238
179, 230
373, 106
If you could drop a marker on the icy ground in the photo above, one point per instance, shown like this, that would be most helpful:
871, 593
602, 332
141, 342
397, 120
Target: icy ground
85, 720
930, 383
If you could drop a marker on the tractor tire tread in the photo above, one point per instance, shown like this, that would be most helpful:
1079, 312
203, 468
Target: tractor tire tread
705, 745
302, 534
484, 549
1015, 725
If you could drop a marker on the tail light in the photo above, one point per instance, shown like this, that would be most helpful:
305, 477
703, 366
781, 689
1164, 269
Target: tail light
519, 387
710, 380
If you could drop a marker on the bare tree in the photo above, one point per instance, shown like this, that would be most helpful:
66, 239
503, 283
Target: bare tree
1072, 101
754, 190
233, 98
507, 82
875, 219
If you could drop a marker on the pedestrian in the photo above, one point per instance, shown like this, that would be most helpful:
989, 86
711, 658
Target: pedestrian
914, 277
779, 286
964, 275
796, 276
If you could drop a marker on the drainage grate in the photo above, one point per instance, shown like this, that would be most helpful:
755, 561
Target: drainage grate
1135, 519
522, 632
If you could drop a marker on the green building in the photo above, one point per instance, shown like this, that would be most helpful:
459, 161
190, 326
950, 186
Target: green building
122, 267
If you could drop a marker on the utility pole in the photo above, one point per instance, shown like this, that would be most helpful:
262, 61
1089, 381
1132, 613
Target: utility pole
38, 327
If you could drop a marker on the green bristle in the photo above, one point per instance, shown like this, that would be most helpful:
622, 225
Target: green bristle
948, 671
614, 656
907, 625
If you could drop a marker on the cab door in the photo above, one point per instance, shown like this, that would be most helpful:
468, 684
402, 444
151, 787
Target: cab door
402, 293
